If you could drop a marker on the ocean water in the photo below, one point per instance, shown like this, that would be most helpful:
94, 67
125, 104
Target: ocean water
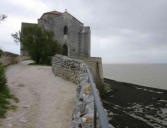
151, 75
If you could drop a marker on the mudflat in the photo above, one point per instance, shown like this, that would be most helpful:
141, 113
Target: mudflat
134, 106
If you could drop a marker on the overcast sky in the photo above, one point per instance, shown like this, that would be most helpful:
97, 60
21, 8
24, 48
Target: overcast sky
122, 31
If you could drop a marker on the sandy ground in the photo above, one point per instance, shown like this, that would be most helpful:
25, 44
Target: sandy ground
46, 101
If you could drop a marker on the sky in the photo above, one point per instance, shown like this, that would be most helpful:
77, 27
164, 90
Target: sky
122, 31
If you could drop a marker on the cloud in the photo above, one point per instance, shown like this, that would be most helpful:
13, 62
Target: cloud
129, 31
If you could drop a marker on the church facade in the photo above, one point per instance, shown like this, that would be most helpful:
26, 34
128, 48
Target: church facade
73, 36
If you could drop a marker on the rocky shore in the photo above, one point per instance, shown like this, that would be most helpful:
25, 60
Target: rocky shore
135, 106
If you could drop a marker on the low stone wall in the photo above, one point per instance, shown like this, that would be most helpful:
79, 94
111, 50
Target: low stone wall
75, 71
7, 60
22, 58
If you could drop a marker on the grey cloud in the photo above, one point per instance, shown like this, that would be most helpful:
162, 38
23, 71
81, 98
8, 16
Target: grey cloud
11, 9
122, 30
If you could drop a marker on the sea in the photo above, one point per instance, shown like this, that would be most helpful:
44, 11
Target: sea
150, 75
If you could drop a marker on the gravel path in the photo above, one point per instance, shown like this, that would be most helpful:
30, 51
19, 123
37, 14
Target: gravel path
46, 101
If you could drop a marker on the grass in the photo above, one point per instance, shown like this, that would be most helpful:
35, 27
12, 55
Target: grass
5, 104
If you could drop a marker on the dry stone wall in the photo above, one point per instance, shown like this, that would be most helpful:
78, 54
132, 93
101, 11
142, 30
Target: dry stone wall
75, 71
7, 60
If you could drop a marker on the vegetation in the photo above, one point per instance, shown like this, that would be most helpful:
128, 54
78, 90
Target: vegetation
39, 44
5, 94
103, 91
1, 52
2, 76
2, 17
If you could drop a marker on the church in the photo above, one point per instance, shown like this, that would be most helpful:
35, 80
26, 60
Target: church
73, 36
71, 33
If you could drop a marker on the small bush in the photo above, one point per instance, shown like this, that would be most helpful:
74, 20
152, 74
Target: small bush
105, 90
2, 76
5, 94
1, 53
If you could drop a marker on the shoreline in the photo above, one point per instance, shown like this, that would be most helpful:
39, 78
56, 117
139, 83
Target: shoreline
137, 85
150, 75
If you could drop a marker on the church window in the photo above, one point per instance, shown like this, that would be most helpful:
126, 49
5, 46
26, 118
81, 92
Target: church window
65, 30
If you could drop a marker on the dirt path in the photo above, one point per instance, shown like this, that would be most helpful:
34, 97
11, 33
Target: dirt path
46, 101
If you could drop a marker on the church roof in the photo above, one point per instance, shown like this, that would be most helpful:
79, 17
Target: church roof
55, 13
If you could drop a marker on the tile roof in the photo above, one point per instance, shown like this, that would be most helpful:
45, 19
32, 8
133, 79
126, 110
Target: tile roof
56, 13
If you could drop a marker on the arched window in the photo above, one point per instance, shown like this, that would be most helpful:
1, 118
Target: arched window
65, 30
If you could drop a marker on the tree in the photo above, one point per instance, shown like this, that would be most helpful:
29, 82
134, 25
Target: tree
2, 17
1, 52
16, 37
39, 43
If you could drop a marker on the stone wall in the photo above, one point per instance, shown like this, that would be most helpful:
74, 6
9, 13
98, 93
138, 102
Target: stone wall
95, 65
22, 58
84, 42
75, 71
7, 60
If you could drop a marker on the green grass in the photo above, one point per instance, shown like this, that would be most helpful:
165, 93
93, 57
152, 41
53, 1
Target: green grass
5, 104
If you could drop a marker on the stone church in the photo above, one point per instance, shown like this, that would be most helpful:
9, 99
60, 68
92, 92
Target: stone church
68, 31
